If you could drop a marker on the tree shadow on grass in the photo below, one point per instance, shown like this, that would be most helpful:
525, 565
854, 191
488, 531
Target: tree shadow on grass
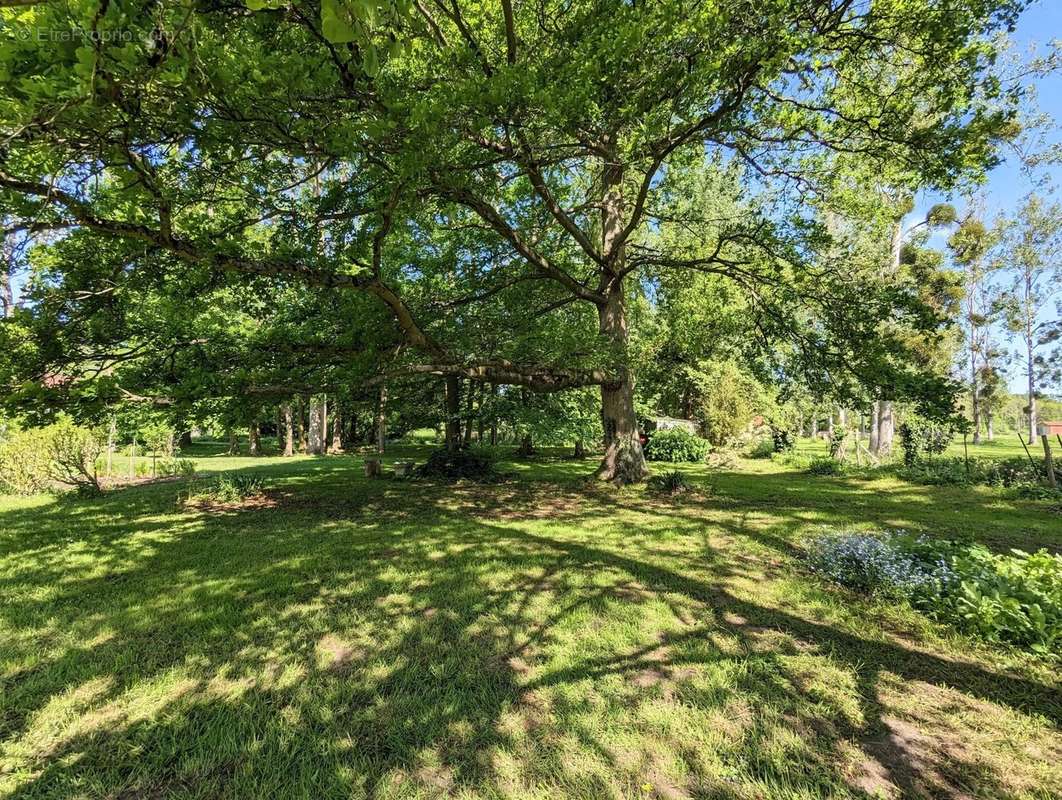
343, 649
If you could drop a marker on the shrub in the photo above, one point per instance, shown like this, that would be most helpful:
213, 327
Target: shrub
228, 487
838, 442
1013, 598
676, 445
782, 440
171, 467
74, 451
938, 472
62, 453
867, 563
24, 462
469, 464
672, 482
825, 466
919, 437
760, 448
1010, 473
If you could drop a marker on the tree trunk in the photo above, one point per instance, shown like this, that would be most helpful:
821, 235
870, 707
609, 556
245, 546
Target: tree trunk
337, 429
289, 431
112, 433
493, 415
814, 426
234, 445
185, 440
975, 396
829, 424
886, 427
380, 420
1030, 365
481, 418
254, 446
318, 425
304, 444
988, 424
624, 461
453, 413
580, 450
468, 416
875, 412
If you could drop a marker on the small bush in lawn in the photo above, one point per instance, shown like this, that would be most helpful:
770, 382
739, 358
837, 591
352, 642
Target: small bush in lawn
677, 445
954, 471
782, 440
176, 467
673, 482
920, 437
471, 464
868, 563
24, 462
762, 447
1036, 491
939, 472
825, 466
228, 487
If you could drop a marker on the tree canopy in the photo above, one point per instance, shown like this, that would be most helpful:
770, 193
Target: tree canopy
282, 196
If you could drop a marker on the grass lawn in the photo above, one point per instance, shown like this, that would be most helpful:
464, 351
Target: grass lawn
540, 638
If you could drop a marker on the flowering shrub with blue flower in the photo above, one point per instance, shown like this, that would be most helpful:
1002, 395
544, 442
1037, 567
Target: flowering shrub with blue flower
869, 563
1013, 598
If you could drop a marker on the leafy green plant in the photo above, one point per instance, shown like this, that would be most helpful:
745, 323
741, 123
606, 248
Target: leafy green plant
24, 462
671, 482
1013, 598
176, 467
760, 447
228, 487
938, 472
920, 437
783, 440
825, 466
63, 453
677, 445
473, 464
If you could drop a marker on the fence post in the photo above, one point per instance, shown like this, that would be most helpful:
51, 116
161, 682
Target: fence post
1048, 461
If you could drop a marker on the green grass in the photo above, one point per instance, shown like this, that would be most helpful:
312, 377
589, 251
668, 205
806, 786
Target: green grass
540, 638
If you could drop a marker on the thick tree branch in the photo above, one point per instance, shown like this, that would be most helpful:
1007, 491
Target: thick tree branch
492, 217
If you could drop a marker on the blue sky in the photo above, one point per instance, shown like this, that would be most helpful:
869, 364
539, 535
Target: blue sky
1037, 27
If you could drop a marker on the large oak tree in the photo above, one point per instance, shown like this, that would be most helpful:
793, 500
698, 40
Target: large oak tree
344, 147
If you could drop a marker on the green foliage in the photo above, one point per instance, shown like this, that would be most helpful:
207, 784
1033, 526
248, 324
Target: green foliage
24, 462
761, 447
62, 453
920, 437
671, 482
1013, 473
175, 467
676, 445
228, 487
825, 466
782, 440
838, 441
471, 464
1013, 598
